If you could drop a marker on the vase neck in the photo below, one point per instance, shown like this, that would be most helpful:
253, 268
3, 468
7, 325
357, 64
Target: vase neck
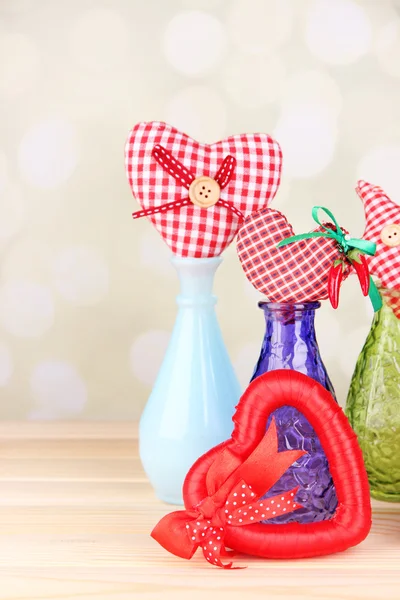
287, 325
287, 315
196, 277
290, 341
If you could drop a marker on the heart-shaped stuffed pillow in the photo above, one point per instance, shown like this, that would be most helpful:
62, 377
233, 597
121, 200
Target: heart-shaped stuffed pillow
225, 488
196, 195
297, 272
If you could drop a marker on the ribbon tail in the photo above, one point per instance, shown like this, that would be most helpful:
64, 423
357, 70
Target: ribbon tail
232, 208
154, 210
275, 506
374, 295
213, 550
172, 166
302, 236
172, 534
225, 171
226, 553
365, 246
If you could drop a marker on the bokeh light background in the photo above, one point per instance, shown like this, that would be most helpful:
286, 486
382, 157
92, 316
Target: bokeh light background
87, 296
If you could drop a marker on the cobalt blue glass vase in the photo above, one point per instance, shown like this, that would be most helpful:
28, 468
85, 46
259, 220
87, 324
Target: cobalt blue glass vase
290, 343
192, 403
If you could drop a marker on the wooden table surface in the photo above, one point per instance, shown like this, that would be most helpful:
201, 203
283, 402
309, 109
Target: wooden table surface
75, 516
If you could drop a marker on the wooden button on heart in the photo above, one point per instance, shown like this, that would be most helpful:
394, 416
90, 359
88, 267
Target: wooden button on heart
204, 191
390, 235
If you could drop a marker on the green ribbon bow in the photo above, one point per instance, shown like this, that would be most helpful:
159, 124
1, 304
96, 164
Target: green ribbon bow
345, 242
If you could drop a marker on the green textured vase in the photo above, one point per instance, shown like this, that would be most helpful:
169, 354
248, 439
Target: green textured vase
373, 402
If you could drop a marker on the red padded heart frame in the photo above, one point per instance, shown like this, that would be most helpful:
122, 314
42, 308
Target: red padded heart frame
188, 230
297, 272
351, 522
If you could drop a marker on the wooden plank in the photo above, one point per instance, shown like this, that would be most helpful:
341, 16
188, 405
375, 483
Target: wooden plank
68, 430
76, 511
99, 449
72, 469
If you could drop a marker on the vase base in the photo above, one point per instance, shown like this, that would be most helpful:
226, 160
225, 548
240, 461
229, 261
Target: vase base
385, 497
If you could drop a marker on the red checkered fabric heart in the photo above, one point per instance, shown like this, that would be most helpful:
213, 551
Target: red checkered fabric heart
156, 154
297, 272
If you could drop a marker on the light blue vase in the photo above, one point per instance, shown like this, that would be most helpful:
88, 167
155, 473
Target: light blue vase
193, 400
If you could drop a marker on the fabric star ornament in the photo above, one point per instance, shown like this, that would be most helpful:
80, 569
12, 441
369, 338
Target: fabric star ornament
197, 195
382, 225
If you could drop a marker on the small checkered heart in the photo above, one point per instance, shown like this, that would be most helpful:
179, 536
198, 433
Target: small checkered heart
297, 272
196, 195
382, 226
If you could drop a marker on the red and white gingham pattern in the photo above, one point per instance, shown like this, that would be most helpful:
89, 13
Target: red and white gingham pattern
297, 272
380, 210
189, 230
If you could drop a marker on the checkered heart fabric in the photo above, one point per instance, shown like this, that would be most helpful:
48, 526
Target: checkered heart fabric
297, 272
249, 180
381, 211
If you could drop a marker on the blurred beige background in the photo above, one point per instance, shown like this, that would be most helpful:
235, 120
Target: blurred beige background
87, 296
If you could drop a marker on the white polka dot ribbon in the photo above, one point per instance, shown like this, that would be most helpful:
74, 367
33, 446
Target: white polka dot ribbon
241, 508
235, 498
179, 172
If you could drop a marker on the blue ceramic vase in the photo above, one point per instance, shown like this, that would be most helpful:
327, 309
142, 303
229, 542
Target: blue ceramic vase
193, 400
290, 343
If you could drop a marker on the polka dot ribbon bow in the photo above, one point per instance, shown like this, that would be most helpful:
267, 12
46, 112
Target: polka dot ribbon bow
235, 499
203, 191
